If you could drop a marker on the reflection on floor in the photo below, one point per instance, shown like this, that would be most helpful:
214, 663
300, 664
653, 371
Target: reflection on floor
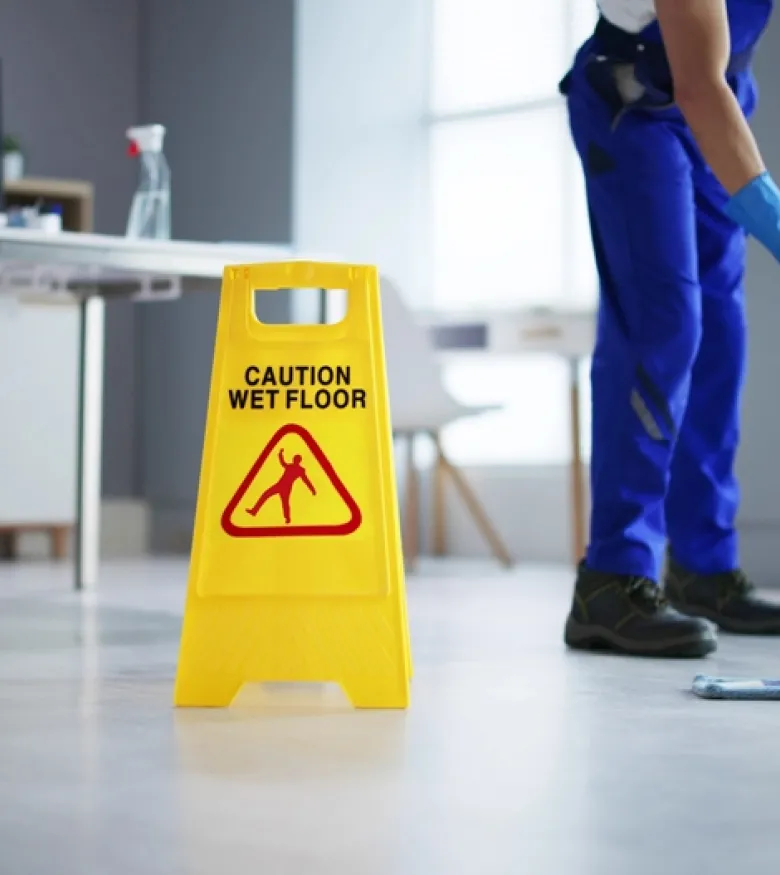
516, 756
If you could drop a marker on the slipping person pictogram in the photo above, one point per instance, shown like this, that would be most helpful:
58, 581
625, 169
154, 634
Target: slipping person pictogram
293, 471
321, 519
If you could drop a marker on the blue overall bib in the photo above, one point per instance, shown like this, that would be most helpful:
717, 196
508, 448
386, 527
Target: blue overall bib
669, 357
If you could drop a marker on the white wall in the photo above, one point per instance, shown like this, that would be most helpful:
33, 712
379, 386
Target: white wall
361, 194
360, 179
529, 507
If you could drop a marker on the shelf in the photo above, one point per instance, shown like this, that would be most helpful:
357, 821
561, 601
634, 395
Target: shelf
38, 186
76, 197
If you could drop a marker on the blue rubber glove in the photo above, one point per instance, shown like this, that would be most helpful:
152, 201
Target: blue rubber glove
756, 207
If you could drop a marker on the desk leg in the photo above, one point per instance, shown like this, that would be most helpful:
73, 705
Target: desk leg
411, 536
577, 473
90, 433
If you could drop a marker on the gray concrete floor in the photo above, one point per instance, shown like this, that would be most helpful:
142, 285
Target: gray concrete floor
515, 757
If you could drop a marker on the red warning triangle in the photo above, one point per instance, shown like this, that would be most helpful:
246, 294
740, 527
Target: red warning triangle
291, 474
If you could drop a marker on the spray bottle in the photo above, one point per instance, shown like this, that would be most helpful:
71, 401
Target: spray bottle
150, 212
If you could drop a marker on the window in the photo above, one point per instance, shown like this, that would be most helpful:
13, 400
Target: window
496, 53
498, 197
509, 224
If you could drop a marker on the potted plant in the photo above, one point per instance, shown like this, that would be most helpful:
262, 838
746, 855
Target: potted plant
13, 158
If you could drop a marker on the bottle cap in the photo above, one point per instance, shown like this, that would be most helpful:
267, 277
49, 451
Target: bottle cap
146, 138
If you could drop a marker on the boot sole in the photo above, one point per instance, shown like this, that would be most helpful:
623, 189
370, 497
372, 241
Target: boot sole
734, 627
582, 637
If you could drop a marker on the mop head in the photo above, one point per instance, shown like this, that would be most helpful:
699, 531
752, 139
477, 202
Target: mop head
735, 688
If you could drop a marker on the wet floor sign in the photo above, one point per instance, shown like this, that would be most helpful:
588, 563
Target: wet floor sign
296, 571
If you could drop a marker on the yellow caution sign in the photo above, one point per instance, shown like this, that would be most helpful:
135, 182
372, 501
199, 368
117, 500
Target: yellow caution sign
296, 571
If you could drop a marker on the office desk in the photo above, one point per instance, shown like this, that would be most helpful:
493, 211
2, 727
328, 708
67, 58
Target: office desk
95, 268
568, 333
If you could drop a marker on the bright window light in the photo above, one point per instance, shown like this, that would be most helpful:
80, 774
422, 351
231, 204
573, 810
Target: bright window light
492, 52
532, 424
509, 218
583, 20
499, 223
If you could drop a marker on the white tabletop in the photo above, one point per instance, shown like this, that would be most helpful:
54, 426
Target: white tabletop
102, 258
114, 254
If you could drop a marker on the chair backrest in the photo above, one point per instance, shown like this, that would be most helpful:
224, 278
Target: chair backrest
418, 397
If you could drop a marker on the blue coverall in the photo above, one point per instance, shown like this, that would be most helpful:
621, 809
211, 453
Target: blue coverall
669, 358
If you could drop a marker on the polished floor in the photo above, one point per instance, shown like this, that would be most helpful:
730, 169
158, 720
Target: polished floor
515, 757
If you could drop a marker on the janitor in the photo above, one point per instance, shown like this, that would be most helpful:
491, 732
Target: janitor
658, 100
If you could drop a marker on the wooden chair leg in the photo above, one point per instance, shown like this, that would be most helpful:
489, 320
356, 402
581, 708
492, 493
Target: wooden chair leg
476, 510
411, 535
438, 518
8, 545
58, 537
577, 477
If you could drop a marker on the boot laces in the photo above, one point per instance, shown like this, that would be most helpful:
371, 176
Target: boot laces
646, 593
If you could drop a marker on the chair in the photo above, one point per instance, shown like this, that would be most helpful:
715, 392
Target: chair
421, 405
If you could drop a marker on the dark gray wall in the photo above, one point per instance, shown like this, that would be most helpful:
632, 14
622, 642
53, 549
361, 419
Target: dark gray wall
70, 89
759, 461
219, 76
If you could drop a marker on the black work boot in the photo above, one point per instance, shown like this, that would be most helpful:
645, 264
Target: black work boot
727, 599
629, 615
